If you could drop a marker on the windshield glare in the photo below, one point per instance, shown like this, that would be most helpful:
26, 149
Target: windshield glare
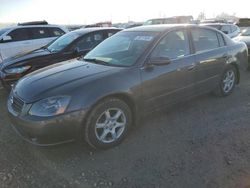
122, 49
62, 42
246, 32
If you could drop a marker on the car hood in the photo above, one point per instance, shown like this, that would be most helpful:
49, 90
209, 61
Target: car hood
46, 81
23, 57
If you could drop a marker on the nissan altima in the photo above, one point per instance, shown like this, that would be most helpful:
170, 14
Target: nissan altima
100, 97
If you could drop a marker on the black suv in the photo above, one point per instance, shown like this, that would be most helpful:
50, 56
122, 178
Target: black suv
68, 46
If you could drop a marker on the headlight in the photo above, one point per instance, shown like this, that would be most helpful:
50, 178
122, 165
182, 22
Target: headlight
17, 70
50, 107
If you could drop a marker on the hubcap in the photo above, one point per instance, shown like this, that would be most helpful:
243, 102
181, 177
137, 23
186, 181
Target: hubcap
228, 81
110, 125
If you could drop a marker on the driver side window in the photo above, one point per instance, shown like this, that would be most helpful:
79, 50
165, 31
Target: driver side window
174, 45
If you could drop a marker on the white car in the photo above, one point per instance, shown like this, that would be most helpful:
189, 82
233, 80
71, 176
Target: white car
230, 30
27, 37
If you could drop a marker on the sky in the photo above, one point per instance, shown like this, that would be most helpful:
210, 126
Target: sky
92, 11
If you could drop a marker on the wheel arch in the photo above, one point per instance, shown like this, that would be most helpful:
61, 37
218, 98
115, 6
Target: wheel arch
122, 96
235, 65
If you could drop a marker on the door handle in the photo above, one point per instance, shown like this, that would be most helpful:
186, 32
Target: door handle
191, 67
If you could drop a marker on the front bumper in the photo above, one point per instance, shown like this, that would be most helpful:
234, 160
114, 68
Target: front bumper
47, 131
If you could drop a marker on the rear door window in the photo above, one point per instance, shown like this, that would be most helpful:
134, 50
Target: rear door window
204, 39
20, 34
39, 32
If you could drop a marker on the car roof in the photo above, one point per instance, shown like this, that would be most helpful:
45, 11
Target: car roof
159, 28
92, 29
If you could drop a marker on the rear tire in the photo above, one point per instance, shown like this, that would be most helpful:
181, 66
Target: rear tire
227, 82
108, 123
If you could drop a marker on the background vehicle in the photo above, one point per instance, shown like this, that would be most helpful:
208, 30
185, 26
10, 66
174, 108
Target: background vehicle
134, 72
229, 29
245, 37
26, 37
243, 22
68, 46
171, 20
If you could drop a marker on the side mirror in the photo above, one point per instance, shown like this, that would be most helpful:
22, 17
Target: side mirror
159, 61
7, 38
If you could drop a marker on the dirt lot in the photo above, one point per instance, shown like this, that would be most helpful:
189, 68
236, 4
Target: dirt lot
202, 143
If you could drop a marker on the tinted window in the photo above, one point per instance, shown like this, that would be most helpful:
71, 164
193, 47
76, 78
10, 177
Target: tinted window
204, 39
90, 41
56, 32
173, 46
19, 34
39, 32
226, 29
110, 33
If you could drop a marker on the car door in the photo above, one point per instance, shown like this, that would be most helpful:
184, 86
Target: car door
210, 57
173, 80
19, 43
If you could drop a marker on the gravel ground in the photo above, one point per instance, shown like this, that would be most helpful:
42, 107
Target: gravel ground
200, 143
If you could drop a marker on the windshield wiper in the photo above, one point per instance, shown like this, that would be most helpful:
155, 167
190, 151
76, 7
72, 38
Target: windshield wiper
97, 61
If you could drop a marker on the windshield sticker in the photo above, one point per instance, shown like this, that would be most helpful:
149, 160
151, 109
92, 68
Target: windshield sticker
144, 38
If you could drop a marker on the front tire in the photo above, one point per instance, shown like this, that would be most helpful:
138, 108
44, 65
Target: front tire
108, 123
227, 82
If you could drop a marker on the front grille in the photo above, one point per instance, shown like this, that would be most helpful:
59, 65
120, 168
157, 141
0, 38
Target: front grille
17, 104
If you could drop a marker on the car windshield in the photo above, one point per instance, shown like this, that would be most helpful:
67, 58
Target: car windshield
2, 31
246, 32
122, 49
62, 42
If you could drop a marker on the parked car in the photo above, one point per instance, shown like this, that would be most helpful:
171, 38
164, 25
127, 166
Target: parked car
26, 37
170, 20
230, 30
68, 46
133, 73
245, 37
